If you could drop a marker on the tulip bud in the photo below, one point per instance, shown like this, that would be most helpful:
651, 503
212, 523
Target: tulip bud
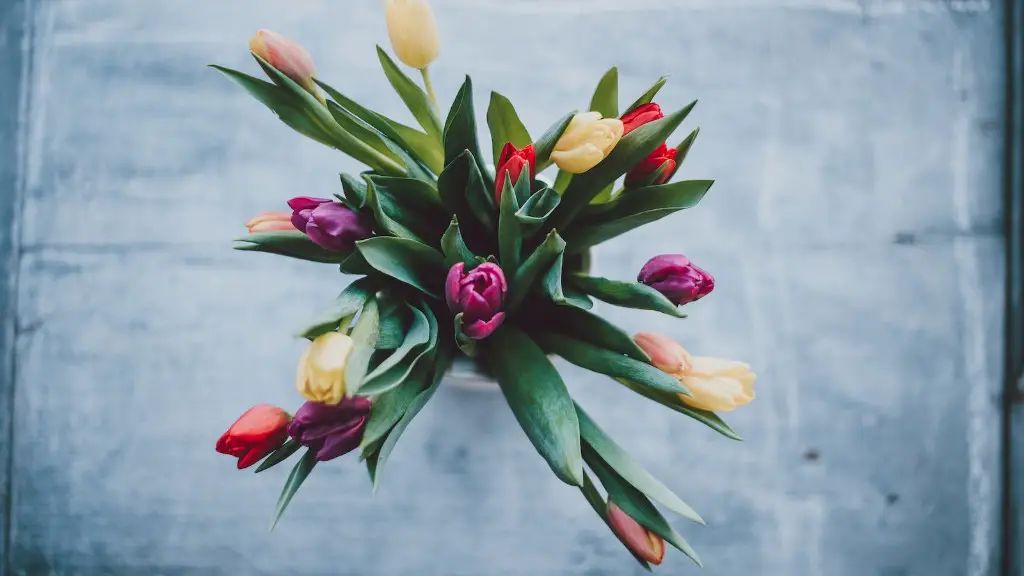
330, 431
656, 169
257, 433
288, 56
640, 116
478, 296
413, 31
715, 384
321, 372
586, 141
677, 278
270, 222
513, 161
639, 540
327, 223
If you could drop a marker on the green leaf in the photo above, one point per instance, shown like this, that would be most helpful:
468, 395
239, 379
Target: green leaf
625, 294
394, 323
505, 125
536, 210
635, 504
597, 502
648, 96
672, 401
552, 285
538, 263
545, 145
347, 304
629, 152
410, 93
385, 223
423, 147
364, 336
614, 364
510, 239
464, 195
291, 243
539, 400
467, 345
629, 469
408, 208
606, 96
460, 134
593, 329
454, 247
298, 475
389, 407
562, 180
409, 261
633, 209
576, 298
355, 191
395, 368
444, 358
356, 264
282, 453
684, 147
360, 130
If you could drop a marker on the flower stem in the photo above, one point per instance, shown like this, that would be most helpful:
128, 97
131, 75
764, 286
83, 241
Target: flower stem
425, 72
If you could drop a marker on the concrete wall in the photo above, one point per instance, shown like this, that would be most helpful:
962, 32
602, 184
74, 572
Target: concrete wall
854, 231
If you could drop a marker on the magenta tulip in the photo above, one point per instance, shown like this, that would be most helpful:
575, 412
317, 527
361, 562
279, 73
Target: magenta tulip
478, 295
328, 223
331, 431
677, 278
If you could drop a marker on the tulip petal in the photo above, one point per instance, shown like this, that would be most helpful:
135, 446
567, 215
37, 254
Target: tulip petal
474, 307
482, 329
451, 286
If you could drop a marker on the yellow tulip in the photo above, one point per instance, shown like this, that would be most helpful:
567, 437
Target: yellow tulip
715, 384
321, 373
413, 31
586, 141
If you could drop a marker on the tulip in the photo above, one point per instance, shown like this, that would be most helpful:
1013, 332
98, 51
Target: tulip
640, 116
586, 141
513, 161
288, 57
257, 433
715, 384
321, 372
478, 296
639, 540
330, 431
270, 222
677, 278
656, 169
329, 224
413, 31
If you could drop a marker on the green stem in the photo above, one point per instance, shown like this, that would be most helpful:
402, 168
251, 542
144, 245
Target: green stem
425, 72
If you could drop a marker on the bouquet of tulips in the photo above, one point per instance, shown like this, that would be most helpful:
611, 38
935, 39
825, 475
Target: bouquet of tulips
456, 259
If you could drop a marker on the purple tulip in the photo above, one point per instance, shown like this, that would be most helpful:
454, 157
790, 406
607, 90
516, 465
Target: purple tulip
328, 223
478, 295
331, 431
677, 278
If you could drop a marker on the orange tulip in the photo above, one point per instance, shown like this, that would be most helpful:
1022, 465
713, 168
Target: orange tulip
270, 221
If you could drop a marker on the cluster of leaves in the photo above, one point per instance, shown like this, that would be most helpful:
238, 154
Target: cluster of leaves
430, 196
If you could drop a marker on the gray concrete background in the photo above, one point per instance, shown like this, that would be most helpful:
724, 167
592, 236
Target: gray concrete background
854, 231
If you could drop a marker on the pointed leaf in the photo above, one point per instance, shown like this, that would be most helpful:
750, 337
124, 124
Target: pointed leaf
360, 130
460, 134
402, 364
291, 243
597, 502
538, 263
505, 125
289, 447
455, 249
674, 402
536, 210
545, 145
606, 96
408, 208
355, 191
413, 96
647, 97
684, 147
510, 239
389, 407
364, 336
298, 475
593, 329
347, 304
394, 323
625, 294
539, 400
464, 194
415, 264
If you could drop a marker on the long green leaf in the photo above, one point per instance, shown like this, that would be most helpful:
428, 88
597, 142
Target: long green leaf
460, 134
606, 96
389, 407
415, 264
545, 145
347, 304
410, 206
684, 147
394, 323
629, 469
536, 210
597, 502
539, 400
674, 402
291, 243
510, 238
404, 367
648, 96
538, 263
360, 130
355, 191
413, 96
282, 453
625, 294
593, 329
454, 247
364, 335
417, 336
464, 194
610, 363
505, 125
298, 475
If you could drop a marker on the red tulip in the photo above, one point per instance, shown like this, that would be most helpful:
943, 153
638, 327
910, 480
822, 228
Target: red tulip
513, 161
257, 433
640, 116
653, 170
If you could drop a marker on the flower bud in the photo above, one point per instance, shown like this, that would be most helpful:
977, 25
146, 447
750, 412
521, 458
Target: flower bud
288, 56
586, 141
715, 384
330, 431
257, 433
640, 116
639, 540
656, 169
513, 161
321, 372
478, 296
270, 222
677, 278
327, 223
413, 31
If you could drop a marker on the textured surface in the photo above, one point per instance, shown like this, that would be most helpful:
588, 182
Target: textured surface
853, 230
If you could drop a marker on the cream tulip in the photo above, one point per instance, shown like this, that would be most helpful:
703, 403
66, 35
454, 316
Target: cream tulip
321, 372
715, 384
586, 141
413, 31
